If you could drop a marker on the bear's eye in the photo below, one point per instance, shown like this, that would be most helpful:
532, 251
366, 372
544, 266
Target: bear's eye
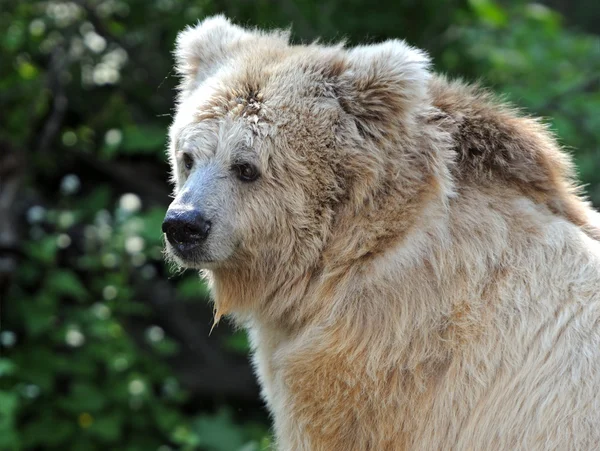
188, 161
246, 172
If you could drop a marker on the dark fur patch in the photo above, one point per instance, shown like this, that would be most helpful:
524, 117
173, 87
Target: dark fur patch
493, 144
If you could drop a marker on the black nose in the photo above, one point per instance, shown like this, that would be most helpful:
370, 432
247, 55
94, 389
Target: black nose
185, 229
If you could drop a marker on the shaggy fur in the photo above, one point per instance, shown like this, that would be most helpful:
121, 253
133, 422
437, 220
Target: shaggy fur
415, 265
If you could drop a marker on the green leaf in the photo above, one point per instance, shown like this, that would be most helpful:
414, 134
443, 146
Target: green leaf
27, 71
7, 367
238, 342
143, 139
192, 287
108, 426
489, 12
43, 250
9, 402
219, 432
151, 231
49, 430
83, 397
37, 365
166, 347
40, 313
66, 283
96, 200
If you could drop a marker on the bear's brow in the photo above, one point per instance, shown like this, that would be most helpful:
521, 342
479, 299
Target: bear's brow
196, 142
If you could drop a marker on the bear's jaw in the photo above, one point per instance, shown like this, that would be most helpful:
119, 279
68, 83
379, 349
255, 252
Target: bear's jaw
305, 295
248, 293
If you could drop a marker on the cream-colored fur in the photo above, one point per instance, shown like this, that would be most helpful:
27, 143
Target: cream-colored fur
415, 266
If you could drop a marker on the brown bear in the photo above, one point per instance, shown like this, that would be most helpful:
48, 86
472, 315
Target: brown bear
414, 264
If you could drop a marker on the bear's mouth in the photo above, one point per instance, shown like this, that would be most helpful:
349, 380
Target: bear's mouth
185, 250
189, 255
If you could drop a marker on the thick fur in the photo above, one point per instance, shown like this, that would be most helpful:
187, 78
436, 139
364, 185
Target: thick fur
415, 266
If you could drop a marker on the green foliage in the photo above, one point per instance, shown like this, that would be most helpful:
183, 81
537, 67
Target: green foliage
73, 366
88, 88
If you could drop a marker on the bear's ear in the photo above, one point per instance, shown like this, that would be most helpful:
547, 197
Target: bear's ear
200, 50
384, 84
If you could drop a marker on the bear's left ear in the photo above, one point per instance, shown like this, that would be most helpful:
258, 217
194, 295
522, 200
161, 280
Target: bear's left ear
383, 84
202, 49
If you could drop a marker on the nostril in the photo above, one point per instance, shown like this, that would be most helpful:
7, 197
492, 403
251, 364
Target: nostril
198, 230
190, 231
166, 226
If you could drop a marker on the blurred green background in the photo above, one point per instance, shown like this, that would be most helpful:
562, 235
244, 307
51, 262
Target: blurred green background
102, 347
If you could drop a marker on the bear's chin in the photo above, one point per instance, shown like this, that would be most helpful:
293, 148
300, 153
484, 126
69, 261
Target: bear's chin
192, 259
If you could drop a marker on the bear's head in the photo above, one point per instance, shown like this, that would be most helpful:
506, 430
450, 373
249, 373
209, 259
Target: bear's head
276, 149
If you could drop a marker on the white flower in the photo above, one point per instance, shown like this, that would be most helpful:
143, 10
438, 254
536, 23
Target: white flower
134, 244
109, 292
130, 202
113, 137
136, 387
94, 42
37, 27
8, 338
74, 338
36, 214
155, 334
70, 184
63, 241
100, 310
31, 391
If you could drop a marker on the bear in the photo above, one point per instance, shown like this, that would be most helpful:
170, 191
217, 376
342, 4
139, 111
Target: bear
413, 260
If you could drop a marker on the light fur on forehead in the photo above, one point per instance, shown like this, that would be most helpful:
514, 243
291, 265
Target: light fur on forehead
202, 49
384, 83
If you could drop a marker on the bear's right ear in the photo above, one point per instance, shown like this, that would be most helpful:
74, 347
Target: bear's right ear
202, 49
384, 84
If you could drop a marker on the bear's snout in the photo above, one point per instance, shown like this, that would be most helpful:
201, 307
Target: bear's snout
185, 229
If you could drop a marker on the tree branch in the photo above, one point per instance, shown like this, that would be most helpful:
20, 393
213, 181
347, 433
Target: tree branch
11, 172
53, 123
